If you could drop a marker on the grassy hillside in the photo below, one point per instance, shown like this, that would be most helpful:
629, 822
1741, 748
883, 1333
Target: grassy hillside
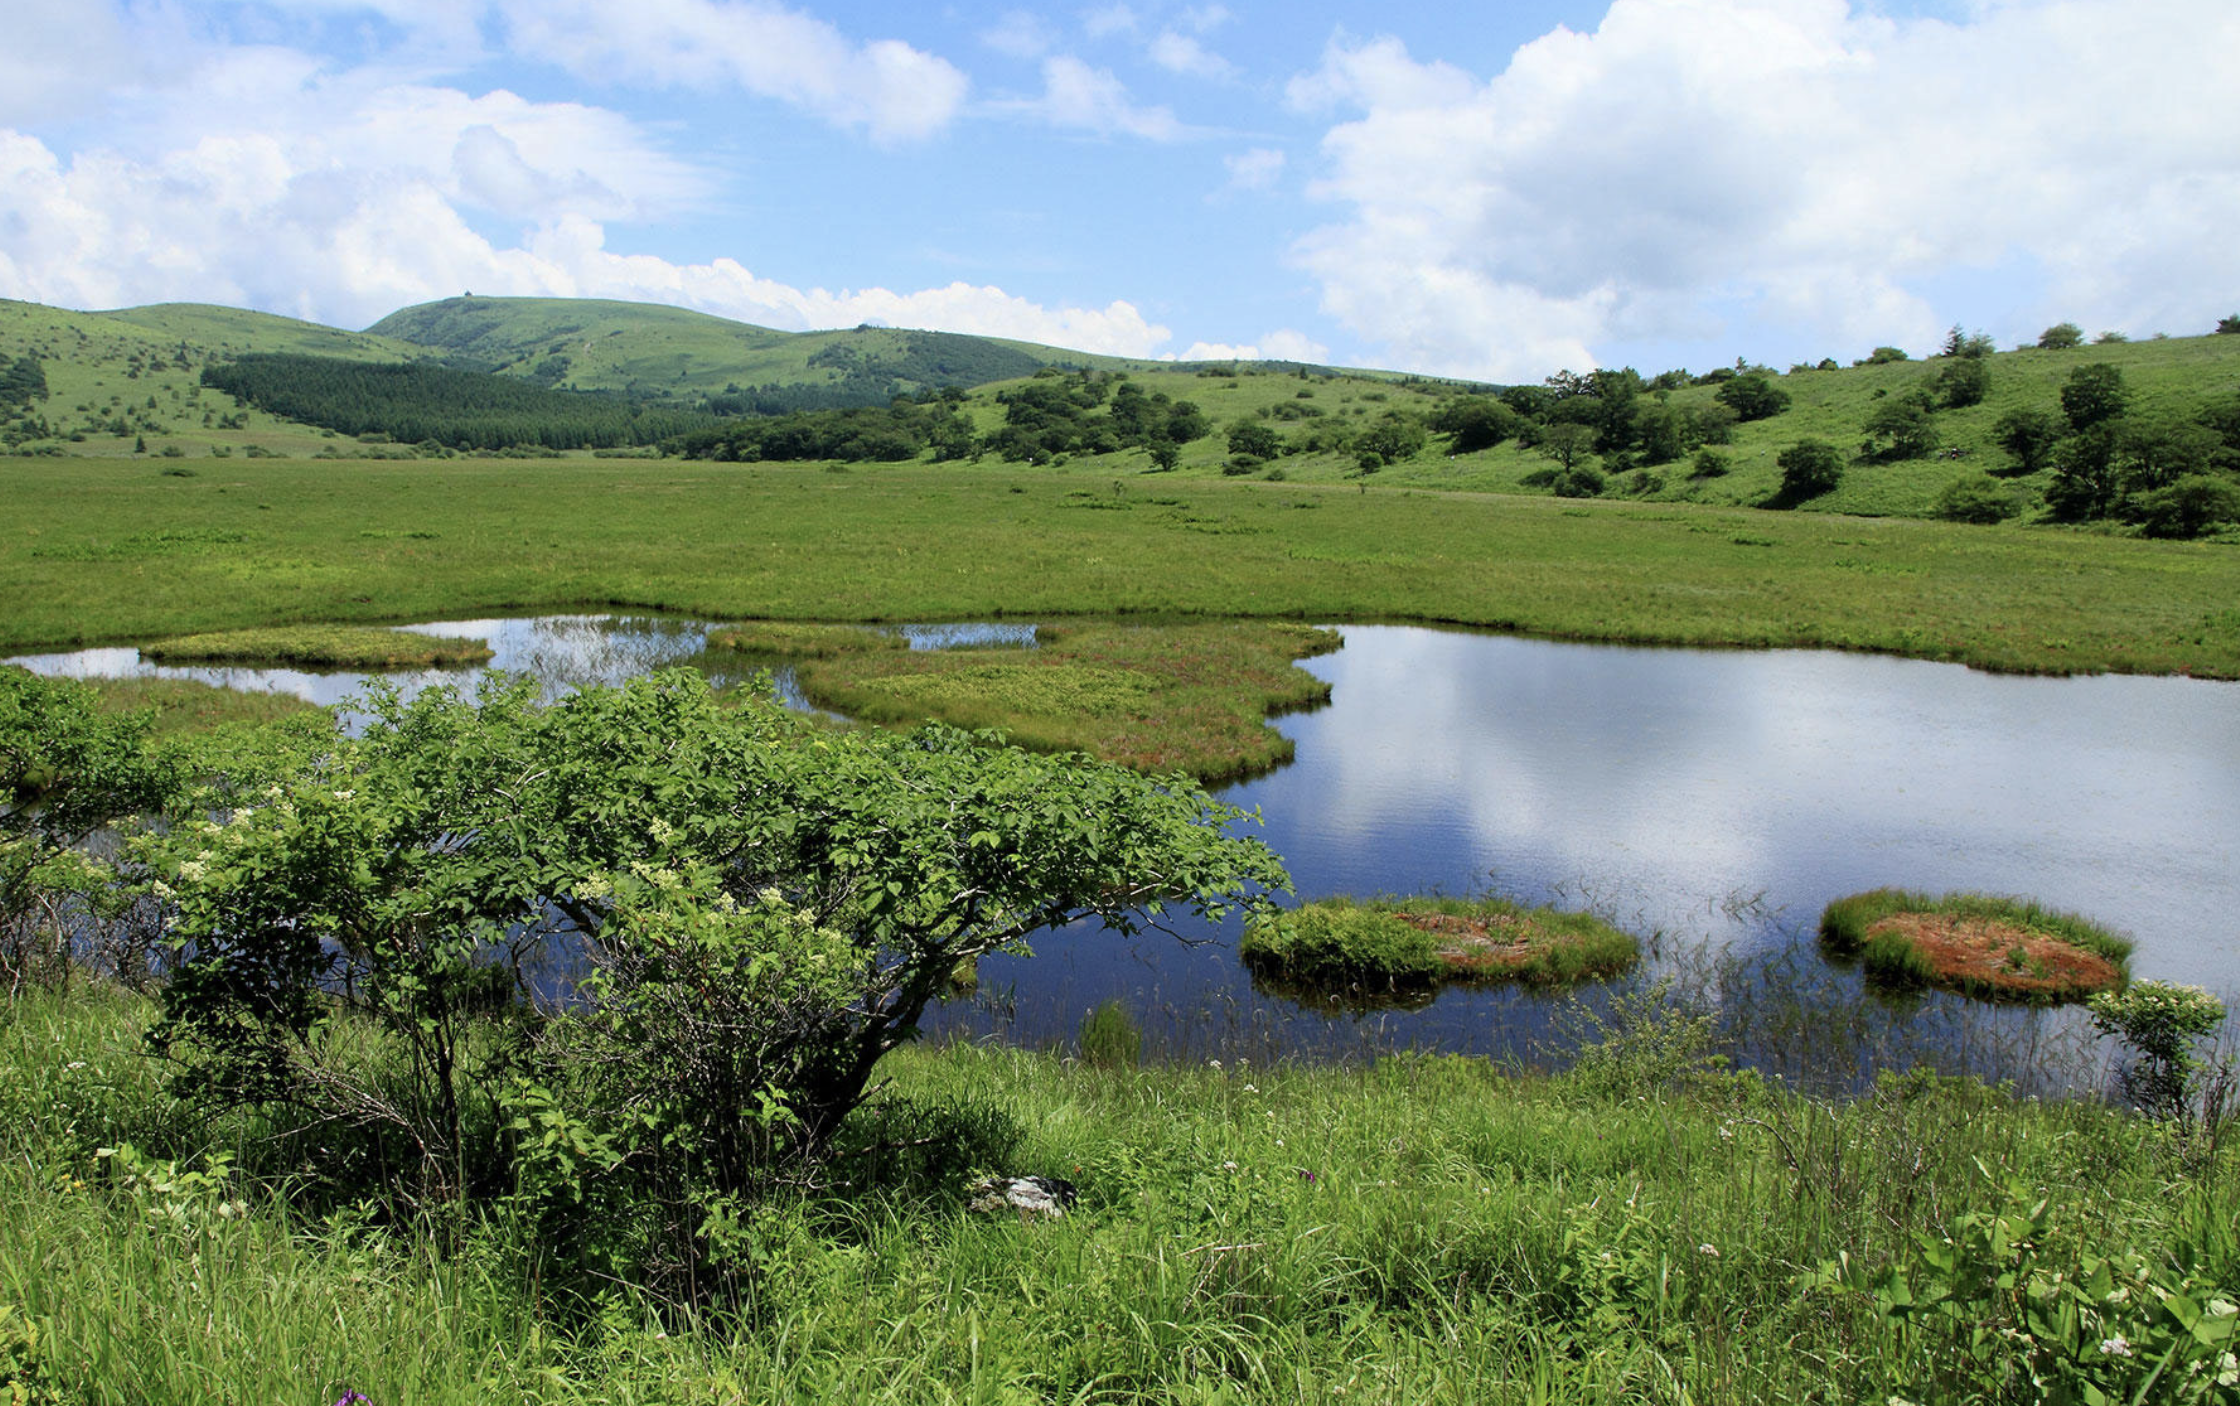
591, 344
117, 381
2173, 375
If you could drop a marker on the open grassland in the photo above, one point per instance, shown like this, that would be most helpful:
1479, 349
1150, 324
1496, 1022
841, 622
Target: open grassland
1189, 697
111, 552
1425, 1229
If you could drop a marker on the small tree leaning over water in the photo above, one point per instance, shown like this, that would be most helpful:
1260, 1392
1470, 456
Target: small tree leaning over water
749, 911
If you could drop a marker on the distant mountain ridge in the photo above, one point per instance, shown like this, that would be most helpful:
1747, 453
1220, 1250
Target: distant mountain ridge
651, 351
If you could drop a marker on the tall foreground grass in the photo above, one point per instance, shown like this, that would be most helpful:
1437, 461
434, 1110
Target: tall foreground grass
1422, 1229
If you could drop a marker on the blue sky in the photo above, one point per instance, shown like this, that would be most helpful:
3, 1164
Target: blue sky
1491, 190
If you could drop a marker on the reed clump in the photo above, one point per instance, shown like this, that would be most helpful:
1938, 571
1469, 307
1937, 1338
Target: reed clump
1985, 945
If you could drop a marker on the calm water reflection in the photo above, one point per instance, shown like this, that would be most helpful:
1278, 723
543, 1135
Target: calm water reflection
1720, 798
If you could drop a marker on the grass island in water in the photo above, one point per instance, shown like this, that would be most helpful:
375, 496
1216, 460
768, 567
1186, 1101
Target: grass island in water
1397, 945
320, 647
1978, 944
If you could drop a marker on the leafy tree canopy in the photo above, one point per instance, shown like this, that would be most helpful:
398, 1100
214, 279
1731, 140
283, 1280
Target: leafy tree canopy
821, 887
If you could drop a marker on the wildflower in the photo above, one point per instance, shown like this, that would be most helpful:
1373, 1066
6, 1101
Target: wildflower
2228, 1370
351, 1398
2117, 1346
1252, 1088
1214, 1062
1709, 1250
1228, 1166
2222, 1308
345, 795
1308, 1177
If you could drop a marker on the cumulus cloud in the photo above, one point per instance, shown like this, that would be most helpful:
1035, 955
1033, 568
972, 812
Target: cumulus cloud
1076, 95
1807, 159
1284, 344
1182, 53
887, 88
1021, 34
1107, 20
257, 221
1256, 169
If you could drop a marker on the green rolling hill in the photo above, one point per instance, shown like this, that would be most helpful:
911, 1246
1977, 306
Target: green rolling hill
652, 351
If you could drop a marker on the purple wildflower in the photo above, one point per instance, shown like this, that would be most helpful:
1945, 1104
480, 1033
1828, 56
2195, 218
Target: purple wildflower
352, 1398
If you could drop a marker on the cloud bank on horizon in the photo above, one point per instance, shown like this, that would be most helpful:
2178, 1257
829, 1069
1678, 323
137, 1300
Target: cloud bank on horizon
1655, 182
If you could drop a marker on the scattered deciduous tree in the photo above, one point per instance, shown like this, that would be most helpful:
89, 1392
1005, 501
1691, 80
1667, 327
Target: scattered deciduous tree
1900, 428
2094, 395
1809, 468
2028, 435
1753, 397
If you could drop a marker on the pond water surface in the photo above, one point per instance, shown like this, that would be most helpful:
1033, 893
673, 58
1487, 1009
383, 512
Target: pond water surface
1715, 799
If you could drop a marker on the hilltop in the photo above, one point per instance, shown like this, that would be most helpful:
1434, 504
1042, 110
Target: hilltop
650, 351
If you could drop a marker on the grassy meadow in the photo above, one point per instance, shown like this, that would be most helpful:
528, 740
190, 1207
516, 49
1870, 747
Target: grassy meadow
115, 552
1642, 1229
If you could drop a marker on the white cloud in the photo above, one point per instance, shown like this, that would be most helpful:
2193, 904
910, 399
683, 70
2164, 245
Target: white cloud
1256, 169
255, 221
1796, 157
1204, 19
1020, 34
1108, 20
1076, 95
1180, 53
889, 89
1284, 344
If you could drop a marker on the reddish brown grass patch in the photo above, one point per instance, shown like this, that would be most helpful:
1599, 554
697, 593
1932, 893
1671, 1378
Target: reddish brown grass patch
1982, 952
1496, 943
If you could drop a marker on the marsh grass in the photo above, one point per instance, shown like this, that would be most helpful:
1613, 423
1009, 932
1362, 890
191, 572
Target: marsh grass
1979, 944
1384, 946
321, 647
1412, 1228
1185, 696
189, 706
794, 639
98, 559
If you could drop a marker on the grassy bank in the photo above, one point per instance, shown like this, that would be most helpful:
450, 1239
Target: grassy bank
1424, 1229
185, 706
1183, 697
114, 552
320, 647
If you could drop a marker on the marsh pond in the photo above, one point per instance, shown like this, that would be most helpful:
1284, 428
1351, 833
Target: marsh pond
1711, 801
